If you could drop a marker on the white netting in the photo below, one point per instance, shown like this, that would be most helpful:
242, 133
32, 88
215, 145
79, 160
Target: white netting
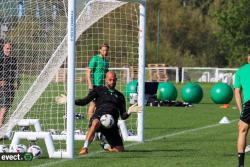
37, 30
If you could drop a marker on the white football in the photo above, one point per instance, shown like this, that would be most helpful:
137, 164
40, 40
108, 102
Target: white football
107, 120
130, 133
52, 131
64, 132
20, 148
4, 148
78, 132
36, 151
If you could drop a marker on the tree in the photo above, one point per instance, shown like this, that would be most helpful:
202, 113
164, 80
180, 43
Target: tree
187, 35
234, 21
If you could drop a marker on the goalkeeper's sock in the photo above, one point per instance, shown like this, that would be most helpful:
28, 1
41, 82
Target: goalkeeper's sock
241, 157
86, 144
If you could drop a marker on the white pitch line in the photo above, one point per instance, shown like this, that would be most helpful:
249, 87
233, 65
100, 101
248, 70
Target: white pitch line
134, 144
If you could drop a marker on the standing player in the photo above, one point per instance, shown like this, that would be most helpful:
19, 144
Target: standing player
242, 97
108, 101
8, 76
98, 67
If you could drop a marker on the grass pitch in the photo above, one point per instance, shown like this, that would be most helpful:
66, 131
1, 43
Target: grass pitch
174, 136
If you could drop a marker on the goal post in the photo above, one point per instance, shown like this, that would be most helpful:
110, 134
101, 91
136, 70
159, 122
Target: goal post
141, 73
49, 60
71, 31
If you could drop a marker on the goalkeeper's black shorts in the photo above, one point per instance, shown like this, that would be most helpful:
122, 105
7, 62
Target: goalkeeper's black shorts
245, 113
112, 134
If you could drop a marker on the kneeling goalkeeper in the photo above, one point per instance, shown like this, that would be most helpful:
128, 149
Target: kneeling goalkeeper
108, 101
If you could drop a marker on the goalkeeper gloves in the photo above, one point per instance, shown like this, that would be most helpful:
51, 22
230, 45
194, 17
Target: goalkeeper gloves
62, 99
134, 108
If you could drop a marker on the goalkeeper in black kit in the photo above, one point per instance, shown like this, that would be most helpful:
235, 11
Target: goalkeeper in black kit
108, 101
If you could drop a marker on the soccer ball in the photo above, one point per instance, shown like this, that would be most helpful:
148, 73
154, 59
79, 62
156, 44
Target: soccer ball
24, 128
64, 132
36, 151
4, 148
52, 131
78, 132
107, 120
133, 97
20, 148
130, 133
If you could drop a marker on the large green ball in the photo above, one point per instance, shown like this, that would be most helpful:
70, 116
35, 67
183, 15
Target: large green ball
166, 91
221, 93
131, 87
192, 93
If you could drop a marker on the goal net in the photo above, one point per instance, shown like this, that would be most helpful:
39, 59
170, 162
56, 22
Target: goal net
37, 30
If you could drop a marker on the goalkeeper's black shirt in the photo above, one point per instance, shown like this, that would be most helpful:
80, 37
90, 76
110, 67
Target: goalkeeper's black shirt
107, 102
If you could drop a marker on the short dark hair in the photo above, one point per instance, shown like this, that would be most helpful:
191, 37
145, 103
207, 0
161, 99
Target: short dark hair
249, 52
104, 45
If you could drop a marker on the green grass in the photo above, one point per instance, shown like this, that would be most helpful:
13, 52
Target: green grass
174, 136
211, 146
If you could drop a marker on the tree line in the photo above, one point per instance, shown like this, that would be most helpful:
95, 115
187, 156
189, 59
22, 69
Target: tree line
213, 33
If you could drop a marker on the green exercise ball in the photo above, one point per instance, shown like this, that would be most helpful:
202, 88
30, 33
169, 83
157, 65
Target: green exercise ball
221, 93
131, 87
166, 91
191, 93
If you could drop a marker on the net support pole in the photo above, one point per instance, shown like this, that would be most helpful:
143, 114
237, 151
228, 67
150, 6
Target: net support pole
71, 78
141, 69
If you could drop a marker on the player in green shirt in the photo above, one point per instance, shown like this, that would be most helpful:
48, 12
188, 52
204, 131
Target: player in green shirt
97, 69
242, 97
